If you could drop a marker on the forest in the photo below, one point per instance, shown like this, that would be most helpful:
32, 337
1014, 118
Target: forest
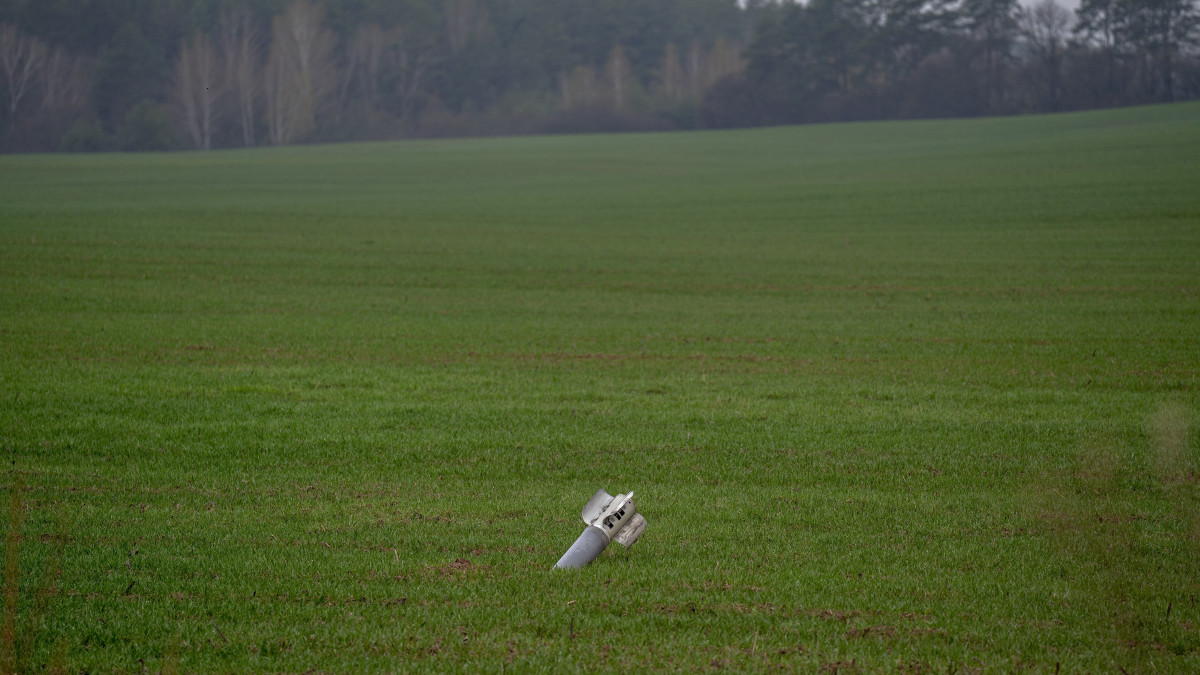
130, 75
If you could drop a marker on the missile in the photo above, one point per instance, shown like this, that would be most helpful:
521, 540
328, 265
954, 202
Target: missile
608, 518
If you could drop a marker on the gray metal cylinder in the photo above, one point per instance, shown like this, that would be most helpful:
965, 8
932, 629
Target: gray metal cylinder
590, 544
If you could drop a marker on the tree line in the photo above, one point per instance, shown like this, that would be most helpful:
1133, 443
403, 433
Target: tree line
879, 59
152, 74
89, 75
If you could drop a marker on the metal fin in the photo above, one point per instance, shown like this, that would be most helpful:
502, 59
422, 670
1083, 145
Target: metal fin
596, 505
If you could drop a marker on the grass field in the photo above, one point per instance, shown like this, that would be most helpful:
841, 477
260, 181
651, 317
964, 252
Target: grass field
911, 396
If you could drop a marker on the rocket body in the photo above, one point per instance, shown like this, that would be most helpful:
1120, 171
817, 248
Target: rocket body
590, 544
607, 518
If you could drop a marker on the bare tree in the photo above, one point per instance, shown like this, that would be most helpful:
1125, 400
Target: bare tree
695, 69
672, 81
465, 20
706, 68
364, 62
723, 60
198, 88
243, 67
301, 74
409, 53
277, 97
65, 82
579, 89
619, 76
1046, 25
21, 57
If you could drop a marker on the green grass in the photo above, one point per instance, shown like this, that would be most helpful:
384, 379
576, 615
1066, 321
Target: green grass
906, 396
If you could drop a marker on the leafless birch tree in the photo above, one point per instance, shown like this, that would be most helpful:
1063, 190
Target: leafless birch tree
21, 57
723, 60
409, 55
198, 88
243, 67
364, 61
672, 80
695, 69
579, 89
619, 77
465, 20
301, 74
65, 82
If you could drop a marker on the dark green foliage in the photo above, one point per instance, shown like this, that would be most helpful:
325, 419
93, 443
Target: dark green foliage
845, 59
85, 136
147, 126
130, 69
